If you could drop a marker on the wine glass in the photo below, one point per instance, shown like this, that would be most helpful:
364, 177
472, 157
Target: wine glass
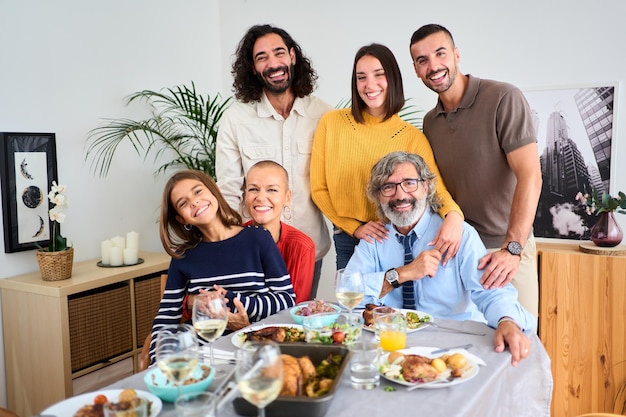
259, 373
177, 352
349, 289
209, 317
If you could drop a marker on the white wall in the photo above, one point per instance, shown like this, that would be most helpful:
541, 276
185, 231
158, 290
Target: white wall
69, 63
66, 64
533, 44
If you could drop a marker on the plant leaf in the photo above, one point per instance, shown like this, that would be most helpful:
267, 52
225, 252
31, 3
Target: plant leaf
183, 121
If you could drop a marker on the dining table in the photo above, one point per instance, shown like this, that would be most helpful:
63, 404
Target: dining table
499, 389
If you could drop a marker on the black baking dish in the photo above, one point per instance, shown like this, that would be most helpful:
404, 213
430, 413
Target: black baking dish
300, 406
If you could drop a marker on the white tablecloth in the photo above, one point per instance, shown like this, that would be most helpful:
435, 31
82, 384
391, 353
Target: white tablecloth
499, 389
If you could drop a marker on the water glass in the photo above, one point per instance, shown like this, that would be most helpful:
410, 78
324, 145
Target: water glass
364, 365
201, 404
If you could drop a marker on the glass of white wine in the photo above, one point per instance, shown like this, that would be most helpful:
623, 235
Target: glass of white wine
259, 373
349, 289
177, 352
210, 317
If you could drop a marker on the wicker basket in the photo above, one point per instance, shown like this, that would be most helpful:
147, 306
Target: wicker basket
55, 266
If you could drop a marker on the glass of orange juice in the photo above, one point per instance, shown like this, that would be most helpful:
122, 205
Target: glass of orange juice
391, 330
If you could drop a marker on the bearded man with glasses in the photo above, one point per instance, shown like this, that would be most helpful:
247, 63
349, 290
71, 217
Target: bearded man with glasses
404, 271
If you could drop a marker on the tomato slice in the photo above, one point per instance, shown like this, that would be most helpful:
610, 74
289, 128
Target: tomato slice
100, 399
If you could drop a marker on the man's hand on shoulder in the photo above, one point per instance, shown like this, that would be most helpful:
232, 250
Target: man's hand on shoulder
509, 334
499, 268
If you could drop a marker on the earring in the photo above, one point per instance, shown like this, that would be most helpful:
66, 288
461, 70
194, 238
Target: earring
244, 212
287, 213
187, 227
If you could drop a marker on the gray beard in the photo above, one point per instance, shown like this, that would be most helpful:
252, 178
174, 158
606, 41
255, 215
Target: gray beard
408, 218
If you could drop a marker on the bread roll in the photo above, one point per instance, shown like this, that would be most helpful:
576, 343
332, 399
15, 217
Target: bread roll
393, 356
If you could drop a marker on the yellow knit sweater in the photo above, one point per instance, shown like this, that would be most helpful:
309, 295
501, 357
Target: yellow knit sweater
344, 152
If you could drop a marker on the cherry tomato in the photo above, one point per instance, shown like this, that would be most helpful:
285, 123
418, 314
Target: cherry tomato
100, 399
338, 337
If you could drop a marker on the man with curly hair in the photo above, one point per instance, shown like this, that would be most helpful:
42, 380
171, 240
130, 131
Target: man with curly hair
274, 118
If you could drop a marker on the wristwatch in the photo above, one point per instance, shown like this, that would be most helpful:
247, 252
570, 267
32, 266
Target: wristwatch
514, 248
392, 277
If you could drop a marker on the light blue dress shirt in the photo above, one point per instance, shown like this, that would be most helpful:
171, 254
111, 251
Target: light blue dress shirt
454, 292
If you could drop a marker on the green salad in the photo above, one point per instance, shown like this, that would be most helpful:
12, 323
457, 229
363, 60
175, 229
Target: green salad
336, 333
414, 321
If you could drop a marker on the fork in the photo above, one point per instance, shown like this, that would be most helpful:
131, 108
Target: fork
439, 326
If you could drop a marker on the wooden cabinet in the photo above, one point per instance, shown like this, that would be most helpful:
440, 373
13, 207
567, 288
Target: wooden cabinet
65, 337
583, 327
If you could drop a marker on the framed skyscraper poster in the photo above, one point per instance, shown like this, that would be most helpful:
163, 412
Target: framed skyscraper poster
574, 129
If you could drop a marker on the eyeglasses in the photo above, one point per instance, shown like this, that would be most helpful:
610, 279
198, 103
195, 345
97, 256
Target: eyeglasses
408, 186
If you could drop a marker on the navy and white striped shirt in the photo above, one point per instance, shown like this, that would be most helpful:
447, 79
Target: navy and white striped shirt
248, 265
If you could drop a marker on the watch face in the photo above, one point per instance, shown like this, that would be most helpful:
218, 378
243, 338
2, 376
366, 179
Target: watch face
515, 248
392, 277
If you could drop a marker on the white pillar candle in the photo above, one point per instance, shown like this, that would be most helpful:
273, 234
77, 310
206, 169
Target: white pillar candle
130, 256
119, 242
132, 242
105, 251
117, 258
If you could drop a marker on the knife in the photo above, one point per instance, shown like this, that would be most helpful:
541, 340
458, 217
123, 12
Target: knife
434, 352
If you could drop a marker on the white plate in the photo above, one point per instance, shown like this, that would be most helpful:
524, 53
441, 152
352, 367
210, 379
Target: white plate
469, 372
421, 314
238, 338
70, 406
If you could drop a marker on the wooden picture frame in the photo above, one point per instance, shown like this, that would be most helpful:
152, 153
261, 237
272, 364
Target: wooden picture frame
28, 165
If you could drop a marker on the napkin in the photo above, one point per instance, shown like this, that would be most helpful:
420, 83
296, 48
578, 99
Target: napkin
218, 354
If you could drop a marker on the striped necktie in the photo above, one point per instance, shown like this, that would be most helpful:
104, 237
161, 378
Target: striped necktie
408, 293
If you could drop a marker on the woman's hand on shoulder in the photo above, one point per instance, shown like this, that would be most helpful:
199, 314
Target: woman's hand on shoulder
371, 231
448, 239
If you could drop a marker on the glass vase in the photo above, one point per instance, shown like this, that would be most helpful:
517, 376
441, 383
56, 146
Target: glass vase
606, 232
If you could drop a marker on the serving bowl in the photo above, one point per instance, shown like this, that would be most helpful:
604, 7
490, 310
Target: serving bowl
301, 406
329, 316
344, 329
167, 390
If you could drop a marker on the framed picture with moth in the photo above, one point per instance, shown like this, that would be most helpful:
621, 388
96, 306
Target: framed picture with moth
28, 165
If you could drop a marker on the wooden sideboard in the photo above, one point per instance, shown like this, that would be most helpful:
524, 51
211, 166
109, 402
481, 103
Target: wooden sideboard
583, 327
65, 337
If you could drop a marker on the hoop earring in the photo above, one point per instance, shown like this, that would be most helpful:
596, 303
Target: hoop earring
243, 212
187, 227
287, 212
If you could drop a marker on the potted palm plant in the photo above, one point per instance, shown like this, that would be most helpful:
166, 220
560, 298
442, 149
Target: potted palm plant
182, 121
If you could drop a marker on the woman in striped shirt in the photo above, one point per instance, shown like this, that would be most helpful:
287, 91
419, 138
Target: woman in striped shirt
211, 251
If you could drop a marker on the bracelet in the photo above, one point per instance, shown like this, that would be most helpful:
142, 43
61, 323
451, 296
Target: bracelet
506, 318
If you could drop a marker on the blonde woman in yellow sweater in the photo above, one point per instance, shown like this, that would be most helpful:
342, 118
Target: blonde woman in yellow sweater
348, 142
